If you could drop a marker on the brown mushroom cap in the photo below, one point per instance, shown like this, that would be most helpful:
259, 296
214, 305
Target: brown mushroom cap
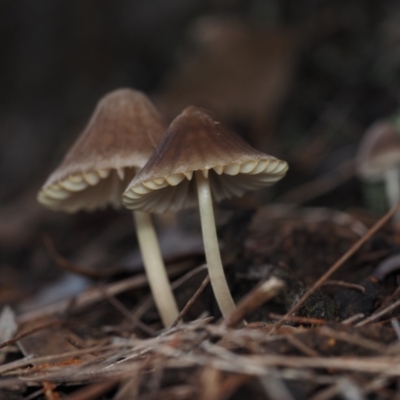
118, 140
195, 141
379, 151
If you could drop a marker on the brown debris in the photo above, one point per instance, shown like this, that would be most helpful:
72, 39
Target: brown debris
340, 262
203, 359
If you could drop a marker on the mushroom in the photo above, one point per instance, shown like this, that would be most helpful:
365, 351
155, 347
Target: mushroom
378, 159
117, 142
198, 160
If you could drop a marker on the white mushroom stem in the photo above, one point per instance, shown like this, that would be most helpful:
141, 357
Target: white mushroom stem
211, 248
392, 187
155, 268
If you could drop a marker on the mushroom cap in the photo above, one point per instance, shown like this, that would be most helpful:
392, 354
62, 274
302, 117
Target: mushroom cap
379, 151
196, 141
118, 140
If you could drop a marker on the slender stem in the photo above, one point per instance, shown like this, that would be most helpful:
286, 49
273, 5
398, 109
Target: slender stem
155, 268
392, 187
210, 240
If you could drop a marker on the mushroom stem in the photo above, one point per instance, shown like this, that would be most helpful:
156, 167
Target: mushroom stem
155, 269
211, 248
392, 187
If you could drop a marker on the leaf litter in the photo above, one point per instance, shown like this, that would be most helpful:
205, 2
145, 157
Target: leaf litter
207, 357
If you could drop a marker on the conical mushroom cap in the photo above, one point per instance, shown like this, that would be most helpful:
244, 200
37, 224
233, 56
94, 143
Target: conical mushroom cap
195, 141
118, 140
379, 151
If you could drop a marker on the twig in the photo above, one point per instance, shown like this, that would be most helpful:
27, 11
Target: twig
348, 285
379, 314
93, 391
75, 343
300, 320
308, 351
125, 312
376, 384
352, 319
34, 394
326, 393
259, 364
30, 332
257, 297
16, 364
343, 386
67, 265
46, 359
356, 246
96, 294
373, 256
389, 299
352, 338
191, 301
148, 302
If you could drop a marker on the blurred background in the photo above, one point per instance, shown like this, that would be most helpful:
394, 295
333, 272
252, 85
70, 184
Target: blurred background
300, 80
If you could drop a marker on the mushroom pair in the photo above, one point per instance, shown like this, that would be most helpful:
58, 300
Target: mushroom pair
197, 160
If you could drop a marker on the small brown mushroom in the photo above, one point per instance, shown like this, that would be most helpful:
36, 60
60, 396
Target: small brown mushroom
117, 142
196, 161
378, 159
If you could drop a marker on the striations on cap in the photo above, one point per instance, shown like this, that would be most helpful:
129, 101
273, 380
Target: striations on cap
118, 140
196, 141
